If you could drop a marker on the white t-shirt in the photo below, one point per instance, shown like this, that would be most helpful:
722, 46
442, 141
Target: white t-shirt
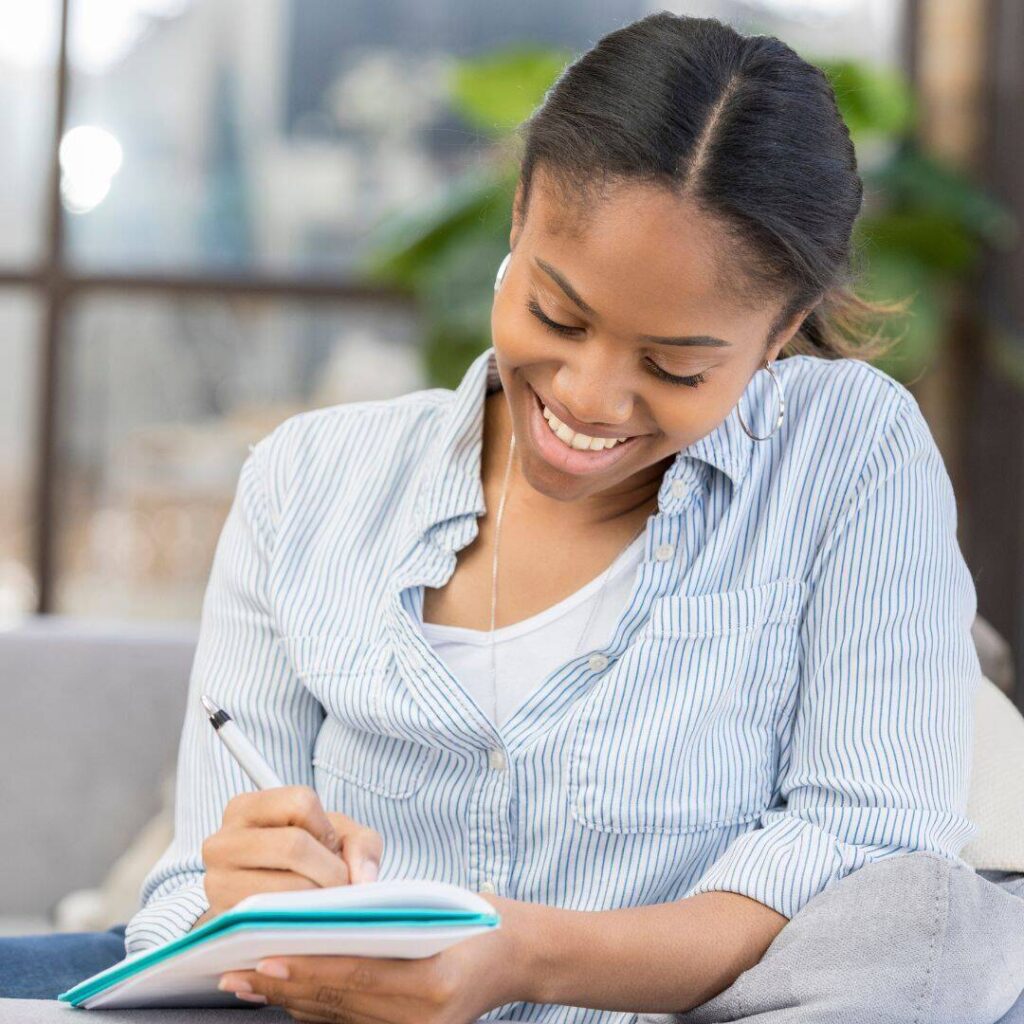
527, 652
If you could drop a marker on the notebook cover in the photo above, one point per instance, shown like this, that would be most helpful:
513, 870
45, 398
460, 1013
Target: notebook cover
235, 920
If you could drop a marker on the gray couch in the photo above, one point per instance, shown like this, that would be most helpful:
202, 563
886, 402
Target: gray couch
83, 700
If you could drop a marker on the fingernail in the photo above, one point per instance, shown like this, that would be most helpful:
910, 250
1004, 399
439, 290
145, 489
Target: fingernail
273, 969
227, 984
251, 997
370, 868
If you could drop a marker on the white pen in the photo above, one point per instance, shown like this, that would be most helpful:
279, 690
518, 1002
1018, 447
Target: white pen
248, 757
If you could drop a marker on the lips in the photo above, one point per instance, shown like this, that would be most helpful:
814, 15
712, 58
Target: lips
579, 430
577, 462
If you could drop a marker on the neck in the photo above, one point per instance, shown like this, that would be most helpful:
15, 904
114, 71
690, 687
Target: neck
627, 502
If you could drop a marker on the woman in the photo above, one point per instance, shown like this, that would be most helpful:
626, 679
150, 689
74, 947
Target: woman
728, 669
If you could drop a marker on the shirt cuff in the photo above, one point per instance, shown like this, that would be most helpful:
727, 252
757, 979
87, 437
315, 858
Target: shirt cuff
789, 861
166, 917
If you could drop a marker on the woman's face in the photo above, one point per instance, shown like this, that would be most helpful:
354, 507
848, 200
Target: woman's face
644, 266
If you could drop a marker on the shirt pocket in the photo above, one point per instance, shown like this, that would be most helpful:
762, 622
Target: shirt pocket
388, 766
679, 735
366, 735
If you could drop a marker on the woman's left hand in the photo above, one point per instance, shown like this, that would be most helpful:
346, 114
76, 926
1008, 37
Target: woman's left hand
455, 986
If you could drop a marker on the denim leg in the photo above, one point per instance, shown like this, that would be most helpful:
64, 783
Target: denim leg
1016, 1014
912, 939
43, 966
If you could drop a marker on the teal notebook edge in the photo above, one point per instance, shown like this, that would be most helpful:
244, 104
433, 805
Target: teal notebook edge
233, 921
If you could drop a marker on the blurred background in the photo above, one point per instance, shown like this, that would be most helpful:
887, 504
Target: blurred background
217, 213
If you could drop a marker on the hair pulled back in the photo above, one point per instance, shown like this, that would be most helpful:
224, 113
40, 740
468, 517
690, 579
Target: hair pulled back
742, 126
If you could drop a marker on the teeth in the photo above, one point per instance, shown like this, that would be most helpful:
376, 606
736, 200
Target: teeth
579, 441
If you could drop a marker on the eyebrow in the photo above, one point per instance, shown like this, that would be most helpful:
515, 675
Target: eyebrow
693, 339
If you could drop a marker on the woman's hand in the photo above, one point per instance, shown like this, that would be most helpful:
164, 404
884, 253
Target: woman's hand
281, 839
455, 986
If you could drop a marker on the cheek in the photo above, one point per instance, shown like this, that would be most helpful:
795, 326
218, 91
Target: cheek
693, 414
506, 327
515, 332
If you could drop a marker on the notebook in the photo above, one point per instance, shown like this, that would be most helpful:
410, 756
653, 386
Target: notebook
406, 918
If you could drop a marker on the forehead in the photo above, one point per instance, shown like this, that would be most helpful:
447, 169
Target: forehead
635, 244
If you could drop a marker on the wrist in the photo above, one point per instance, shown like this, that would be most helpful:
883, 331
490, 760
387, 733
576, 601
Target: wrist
531, 949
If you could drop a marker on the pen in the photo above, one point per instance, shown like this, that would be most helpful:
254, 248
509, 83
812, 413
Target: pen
248, 757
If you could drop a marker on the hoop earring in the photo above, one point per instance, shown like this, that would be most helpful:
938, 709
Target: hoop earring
782, 406
500, 276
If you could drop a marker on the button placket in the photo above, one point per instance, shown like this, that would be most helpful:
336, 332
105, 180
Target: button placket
491, 842
657, 576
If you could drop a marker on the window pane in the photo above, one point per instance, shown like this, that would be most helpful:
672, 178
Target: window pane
28, 55
19, 388
161, 399
275, 133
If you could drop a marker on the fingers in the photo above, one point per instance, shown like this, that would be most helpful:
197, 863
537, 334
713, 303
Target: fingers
285, 805
318, 1010
361, 847
281, 839
311, 1018
423, 979
225, 888
288, 849
323, 999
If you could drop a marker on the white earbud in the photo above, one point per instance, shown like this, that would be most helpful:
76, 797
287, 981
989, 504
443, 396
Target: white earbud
500, 276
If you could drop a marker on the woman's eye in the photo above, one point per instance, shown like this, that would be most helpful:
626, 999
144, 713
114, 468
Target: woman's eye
552, 325
691, 382
564, 329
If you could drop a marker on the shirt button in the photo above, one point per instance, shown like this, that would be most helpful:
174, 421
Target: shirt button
678, 488
597, 662
664, 552
496, 759
487, 886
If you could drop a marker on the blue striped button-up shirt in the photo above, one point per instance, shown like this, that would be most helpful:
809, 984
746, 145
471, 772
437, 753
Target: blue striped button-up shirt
787, 694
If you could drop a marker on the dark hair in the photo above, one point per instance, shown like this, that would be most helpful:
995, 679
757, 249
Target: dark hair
745, 128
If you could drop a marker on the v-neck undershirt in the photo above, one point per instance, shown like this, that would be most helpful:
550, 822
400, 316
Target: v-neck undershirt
528, 651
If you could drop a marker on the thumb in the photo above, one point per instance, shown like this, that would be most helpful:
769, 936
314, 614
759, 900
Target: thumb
361, 848
362, 855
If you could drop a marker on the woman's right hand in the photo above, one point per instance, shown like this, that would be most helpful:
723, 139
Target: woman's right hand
282, 839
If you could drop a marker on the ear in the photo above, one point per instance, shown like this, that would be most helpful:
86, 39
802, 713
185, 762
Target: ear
784, 336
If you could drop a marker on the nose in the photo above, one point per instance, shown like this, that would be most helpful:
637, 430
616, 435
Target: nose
591, 392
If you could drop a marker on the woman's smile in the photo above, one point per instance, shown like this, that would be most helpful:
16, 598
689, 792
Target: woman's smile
565, 455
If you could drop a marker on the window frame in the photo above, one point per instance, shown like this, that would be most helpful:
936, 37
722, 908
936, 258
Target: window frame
55, 282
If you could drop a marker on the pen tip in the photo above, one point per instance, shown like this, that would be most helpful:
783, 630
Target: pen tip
218, 716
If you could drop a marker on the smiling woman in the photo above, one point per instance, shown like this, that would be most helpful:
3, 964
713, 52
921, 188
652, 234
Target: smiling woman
613, 364
649, 755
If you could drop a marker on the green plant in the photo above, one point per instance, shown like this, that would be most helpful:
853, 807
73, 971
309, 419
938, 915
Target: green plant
924, 225
447, 253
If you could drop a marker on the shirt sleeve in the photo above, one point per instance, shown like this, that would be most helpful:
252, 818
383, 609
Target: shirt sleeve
239, 663
877, 760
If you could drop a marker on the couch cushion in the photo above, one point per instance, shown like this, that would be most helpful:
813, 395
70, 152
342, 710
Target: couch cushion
91, 717
996, 800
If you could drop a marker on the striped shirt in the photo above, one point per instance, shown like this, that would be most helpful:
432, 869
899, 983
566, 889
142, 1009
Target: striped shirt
786, 696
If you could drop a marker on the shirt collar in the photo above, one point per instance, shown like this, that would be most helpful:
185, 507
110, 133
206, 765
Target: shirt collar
452, 484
